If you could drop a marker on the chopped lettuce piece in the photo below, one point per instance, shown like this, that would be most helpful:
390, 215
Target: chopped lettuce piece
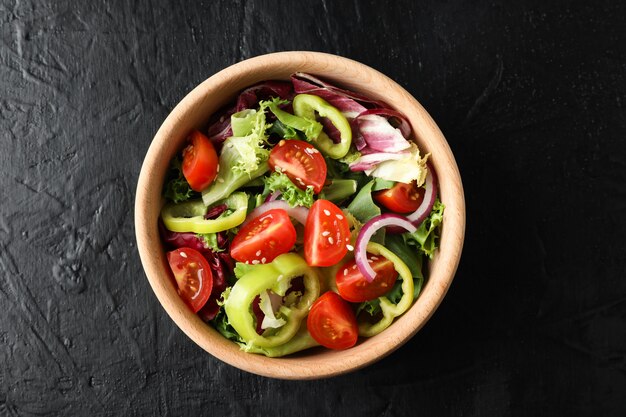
340, 170
243, 122
310, 128
228, 178
293, 195
270, 321
210, 241
363, 209
412, 167
177, 188
426, 237
282, 130
242, 269
220, 322
243, 158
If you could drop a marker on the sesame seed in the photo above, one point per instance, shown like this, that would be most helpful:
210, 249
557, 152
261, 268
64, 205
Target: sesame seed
350, 247
263, 259
255, 262
340, 217
220, 180
281, 276
345, 272
326, 212
258, 253
331, 240
325, 233
183, 254
375, 258
354, 266
369, 261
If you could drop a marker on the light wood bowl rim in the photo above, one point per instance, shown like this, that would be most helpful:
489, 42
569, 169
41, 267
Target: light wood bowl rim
193, 111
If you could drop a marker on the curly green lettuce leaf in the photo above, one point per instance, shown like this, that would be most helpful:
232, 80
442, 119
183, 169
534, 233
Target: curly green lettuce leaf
426, 237
232, 174
210, 241
293, 195
176, 187
220, 323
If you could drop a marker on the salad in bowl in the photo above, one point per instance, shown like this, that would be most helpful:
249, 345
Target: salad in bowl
302, 214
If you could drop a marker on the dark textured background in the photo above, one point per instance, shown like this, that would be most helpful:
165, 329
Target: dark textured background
531, 98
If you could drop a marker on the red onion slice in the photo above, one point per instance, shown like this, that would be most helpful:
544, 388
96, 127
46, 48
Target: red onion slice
273, 196
299, 213
366, 233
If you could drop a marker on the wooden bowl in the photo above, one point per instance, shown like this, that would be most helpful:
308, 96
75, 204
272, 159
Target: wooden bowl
193, 112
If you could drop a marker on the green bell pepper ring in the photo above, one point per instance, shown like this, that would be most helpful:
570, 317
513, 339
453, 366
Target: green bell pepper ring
390, 310
188, 216
300, 341
276, 277
306, 105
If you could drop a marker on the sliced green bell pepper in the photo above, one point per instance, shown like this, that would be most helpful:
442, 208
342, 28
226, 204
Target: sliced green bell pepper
276, 277
300, 341
389, 309
306, 105
188, 216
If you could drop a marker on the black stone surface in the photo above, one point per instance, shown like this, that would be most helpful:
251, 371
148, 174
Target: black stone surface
531, 96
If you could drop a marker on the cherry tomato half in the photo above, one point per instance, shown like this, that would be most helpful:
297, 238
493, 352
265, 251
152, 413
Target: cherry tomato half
301, 162
326, 234
264, 238
193, 276
353, 286
401, 198
199, 161
332, 322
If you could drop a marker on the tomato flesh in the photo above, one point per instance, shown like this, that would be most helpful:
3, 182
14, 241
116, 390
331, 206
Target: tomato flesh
353, 286
264, 238
200, 161
401, 198
326, 234
332, 323
301, 162
193, 276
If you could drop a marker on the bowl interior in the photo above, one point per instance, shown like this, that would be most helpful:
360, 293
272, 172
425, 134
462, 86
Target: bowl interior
194, 111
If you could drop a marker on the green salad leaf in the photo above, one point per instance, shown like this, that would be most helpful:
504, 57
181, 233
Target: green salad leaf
426, 237
177, 188
210, 241
293, 195
340, 170
220, 322
310, 128
243, 158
